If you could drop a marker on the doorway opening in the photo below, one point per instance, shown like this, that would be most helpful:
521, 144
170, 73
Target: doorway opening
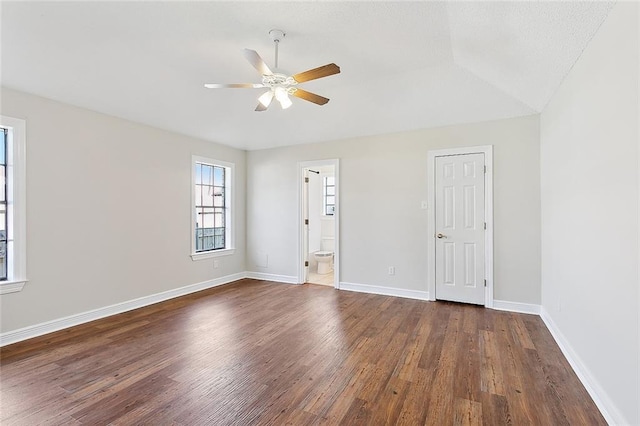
318, 252
460, 225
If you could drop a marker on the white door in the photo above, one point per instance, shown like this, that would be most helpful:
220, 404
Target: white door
460, 224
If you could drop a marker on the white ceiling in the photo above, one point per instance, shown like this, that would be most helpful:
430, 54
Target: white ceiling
405, 65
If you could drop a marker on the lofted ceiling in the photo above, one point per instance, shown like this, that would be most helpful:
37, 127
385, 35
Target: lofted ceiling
405, 65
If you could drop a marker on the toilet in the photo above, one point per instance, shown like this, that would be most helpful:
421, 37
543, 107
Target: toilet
325, 261
325, 256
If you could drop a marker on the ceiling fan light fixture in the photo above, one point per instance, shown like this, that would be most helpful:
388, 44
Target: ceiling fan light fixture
266, 98
286, 103
283, 97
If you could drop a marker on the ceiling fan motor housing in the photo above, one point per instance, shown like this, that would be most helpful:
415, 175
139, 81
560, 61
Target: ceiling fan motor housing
277, 35
280, 80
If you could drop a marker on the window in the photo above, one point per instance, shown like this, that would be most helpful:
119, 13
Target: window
3, 205
12, 205
212, 208
329, 196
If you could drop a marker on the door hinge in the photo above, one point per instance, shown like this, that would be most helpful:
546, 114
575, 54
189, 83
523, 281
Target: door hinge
306, 180
485, 225
306, 221
485, 169
485, 283
306, 263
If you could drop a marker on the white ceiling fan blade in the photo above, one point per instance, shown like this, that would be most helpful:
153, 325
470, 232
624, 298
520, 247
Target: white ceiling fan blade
233, 86
257, 62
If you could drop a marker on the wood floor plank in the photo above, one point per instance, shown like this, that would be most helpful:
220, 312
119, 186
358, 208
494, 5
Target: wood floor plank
260, 353
491, 368
467, 413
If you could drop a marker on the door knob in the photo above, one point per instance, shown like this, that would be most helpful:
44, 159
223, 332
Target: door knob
441, 236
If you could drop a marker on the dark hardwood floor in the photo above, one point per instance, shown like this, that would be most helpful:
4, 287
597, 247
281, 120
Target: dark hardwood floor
255, 352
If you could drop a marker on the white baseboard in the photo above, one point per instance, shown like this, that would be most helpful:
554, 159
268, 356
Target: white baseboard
84, 317
385, 291
608, 409
523, 308
287, 279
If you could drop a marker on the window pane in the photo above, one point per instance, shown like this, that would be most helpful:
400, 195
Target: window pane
198, 173
208, 217
208, 243
331, 190
199, 244
218, 196
218, 176
199, 218
218, 218
331, 180
3, 148
206, 174
3, 260
331, 200
219, 242
198, 193
207, 195
3, 195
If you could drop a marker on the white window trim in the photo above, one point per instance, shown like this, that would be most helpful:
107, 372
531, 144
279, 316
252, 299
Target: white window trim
229, 200
16, 205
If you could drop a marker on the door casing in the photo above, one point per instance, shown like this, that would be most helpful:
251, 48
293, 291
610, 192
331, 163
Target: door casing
487, 150
302, 166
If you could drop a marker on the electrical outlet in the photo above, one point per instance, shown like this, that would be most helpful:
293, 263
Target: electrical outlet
216, 263
392, 270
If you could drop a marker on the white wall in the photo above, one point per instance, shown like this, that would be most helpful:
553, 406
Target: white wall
589, 168
108, 211
383, 181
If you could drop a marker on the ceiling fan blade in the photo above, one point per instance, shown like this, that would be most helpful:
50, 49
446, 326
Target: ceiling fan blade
261, 107
311, 97
233, 86
257, 62
323, 71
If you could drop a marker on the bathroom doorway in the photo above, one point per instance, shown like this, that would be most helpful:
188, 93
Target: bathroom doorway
318, 252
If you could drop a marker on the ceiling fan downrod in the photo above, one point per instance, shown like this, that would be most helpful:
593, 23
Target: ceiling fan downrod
276, 36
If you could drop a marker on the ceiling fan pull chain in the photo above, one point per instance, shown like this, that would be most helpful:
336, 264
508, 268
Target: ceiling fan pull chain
277, 43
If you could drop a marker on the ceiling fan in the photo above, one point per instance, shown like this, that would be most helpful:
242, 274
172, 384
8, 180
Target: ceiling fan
280, 86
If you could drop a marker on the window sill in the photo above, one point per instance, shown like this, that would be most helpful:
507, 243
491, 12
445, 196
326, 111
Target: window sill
210, 254
11, 286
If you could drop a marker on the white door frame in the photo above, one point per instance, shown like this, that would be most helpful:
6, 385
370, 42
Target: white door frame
487, 150
336, 223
